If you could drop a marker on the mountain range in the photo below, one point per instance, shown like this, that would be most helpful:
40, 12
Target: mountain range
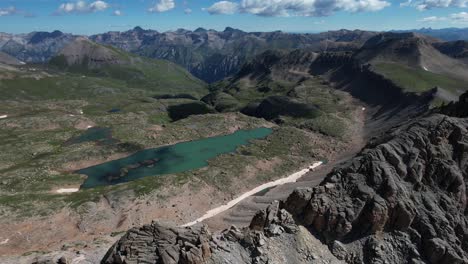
208, 54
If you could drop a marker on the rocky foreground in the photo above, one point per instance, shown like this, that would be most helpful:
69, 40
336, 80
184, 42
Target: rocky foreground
401, 200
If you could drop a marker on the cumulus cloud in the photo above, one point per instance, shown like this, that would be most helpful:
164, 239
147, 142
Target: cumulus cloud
431, 4
82, 7
222, 7
296, 7
9, 11
162, 6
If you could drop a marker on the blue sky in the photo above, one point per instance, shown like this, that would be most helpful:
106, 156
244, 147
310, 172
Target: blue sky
89, 17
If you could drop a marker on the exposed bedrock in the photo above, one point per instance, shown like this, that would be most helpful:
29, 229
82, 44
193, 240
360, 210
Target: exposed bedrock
401, 200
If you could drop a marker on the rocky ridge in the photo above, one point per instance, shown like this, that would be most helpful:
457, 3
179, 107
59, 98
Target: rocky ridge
401, 200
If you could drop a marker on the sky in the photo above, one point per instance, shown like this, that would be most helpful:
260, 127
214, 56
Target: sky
90, 16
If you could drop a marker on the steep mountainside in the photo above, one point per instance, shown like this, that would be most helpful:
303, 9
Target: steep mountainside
9, 60
401, 200
455, 49
411, 50
212, 55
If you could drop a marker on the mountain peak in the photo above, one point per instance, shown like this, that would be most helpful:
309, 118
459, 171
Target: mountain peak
138, 29
200, 30
40, 36
230, 29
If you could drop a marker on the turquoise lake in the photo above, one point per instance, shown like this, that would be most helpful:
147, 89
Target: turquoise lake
169, 159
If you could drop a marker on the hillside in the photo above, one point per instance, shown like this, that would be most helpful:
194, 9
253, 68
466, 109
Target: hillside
413, 62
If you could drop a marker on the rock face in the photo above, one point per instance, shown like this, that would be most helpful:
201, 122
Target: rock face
401, 200
273, 237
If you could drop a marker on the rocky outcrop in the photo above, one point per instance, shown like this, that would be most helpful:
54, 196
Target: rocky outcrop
403, 199
273, 237
459, 109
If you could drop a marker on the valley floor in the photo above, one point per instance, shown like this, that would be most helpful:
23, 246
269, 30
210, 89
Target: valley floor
94, 226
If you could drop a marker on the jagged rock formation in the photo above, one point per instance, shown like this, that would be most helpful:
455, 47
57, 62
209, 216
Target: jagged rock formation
401, 200
272, 238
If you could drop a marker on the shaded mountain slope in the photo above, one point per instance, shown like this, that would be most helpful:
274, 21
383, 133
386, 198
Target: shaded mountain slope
454, 49
9, 60
401, 200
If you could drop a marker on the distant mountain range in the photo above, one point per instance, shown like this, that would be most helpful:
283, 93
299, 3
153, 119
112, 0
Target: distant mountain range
208, 54
447, 34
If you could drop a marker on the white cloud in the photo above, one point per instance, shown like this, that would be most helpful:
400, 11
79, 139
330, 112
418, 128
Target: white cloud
432, 19
461, 17
117, 13
431, 4
9, 11
296, 7
222, 7
98, 6
82, 7
162, 6
188, 11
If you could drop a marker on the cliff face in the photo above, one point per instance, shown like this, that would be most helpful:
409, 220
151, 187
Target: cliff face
401, 200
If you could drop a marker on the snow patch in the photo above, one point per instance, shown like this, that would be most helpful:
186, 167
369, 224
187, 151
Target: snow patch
4, 242
3, 116
424, 67
291, 178
68, 190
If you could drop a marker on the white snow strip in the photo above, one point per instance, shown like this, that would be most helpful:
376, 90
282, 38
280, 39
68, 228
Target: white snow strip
424, 67
89, 127
81, 112
291, 178
3, 116
68, 190
4, 242
78, 259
